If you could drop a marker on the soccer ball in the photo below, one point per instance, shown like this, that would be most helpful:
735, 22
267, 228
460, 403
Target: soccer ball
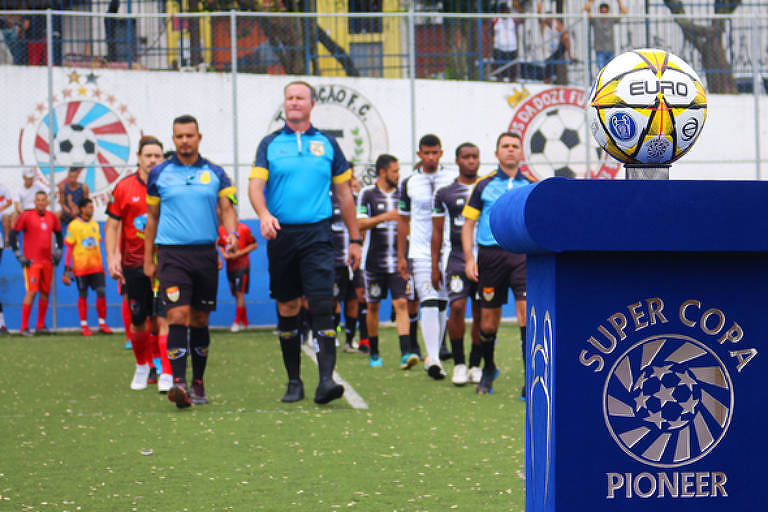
647, 107
75, 146
555, 141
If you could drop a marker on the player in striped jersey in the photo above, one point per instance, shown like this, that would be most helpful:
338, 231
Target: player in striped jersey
448, 205
416, 196
377, 212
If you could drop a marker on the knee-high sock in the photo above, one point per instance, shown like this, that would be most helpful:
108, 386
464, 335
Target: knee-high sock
140, 346
82, 309
244, 316
26, 310
199, 344
362, 311
443, 316
413, 329
42, 309
488, 346
101, 309
162, 345
177, 350
153, 350
326, 354
430, 329
350, 326
126, 310
290, 345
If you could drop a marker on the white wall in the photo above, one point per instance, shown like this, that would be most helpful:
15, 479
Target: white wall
374, 117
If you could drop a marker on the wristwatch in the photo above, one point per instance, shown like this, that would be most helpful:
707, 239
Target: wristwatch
358, 241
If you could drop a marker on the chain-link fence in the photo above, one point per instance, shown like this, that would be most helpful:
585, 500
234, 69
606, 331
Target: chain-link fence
112, 71
381, 38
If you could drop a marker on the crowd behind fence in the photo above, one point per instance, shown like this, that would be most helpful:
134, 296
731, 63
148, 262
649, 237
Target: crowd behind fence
521, 44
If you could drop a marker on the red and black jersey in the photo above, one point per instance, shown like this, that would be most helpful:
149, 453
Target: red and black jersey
128, 203
245, 238
38, 231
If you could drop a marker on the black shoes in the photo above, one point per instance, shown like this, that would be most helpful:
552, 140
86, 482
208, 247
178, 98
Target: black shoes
178, 394
197, 393
328, 390
294, 392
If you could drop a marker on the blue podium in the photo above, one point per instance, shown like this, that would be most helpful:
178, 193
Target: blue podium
647, 312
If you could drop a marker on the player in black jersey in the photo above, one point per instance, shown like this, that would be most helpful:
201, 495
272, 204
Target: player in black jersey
377, 212
343, 286
449, 201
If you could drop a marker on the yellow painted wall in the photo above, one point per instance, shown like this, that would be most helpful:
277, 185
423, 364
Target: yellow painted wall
338, 29
172, 7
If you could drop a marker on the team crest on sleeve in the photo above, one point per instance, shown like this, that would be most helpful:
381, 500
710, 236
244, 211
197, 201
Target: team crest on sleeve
316, 147
172, 293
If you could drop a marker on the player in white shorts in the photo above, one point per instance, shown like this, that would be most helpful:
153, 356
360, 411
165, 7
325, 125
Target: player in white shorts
416, 198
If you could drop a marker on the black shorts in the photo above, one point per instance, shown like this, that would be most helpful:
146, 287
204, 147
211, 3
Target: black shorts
458, 284
357, 278
239, 280
343, 289
138, 290
378, 283
93, 281
300, 262
189, 276
498, 271
158, 305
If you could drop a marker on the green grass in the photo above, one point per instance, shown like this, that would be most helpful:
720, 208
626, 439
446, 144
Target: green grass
75, 437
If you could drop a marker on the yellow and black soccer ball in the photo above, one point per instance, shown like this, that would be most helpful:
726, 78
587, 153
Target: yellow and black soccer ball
647, 107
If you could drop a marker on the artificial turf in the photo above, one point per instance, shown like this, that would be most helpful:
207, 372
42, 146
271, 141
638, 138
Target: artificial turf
75, 437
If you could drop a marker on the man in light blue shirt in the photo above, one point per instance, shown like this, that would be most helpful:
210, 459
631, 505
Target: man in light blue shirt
182, 194
292, 174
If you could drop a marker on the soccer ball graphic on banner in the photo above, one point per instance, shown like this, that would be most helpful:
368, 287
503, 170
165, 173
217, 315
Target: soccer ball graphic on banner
647, 107
76, 146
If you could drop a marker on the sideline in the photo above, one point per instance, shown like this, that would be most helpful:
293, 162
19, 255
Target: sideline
350, 395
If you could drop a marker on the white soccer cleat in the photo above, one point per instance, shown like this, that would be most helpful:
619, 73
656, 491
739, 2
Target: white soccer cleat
140, 377
164, 382
460, 375
475, 374
235, 327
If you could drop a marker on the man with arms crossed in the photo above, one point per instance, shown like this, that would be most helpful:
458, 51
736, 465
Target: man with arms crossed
377, 212
289, 183
495, 269
449, 202
182, 194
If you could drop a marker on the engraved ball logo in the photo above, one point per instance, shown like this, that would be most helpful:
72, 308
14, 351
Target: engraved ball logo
668, 401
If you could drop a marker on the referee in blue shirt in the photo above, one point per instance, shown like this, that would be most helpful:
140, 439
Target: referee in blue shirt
182, 222
289, 183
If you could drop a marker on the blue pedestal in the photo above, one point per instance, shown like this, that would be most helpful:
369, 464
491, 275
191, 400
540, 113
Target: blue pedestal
647, 314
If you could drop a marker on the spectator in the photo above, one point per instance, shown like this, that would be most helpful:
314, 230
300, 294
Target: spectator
23, 198
71, 192
602, 30
13, 29
505, 42
557, 44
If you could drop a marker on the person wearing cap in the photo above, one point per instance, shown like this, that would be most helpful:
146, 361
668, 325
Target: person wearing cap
23, 199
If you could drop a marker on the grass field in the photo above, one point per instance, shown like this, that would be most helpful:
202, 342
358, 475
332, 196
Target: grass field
75, 437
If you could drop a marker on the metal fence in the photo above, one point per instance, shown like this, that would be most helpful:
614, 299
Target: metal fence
390, 40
